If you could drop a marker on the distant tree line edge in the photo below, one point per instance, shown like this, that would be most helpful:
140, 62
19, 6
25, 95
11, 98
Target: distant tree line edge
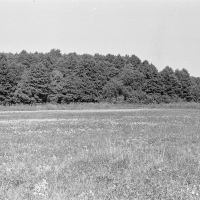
31, 78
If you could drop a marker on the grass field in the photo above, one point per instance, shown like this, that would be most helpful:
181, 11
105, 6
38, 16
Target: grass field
82, 106
148, 154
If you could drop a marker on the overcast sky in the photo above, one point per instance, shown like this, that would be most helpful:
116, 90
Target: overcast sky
164, 32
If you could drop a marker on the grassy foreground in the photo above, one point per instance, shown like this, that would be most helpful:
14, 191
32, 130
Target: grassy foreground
139, 155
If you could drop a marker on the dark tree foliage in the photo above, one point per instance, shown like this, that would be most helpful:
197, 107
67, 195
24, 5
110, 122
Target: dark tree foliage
73, 89
109, 58
34, 85
133, 60
132, 78
119, 62
5, 80
172, 86
54, 77
186, 83
152, 80
27, 59
113, 90
195, 88
56, 87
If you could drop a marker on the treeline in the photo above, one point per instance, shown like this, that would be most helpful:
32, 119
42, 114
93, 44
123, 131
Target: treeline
30, 78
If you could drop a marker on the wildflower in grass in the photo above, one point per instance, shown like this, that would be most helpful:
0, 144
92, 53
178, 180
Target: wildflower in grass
43, 168
160, 170
41, 189
86, 195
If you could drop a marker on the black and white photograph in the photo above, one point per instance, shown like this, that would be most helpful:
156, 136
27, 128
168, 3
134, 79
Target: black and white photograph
99, 100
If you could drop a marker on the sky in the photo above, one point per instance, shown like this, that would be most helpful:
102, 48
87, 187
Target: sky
164, 32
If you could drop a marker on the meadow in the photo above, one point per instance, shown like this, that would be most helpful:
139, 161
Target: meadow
143, 154
94, 106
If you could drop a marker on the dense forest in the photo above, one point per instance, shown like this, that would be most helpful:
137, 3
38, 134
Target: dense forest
29, 78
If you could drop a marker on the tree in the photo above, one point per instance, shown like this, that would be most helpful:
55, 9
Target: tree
56, 86
109, 58
89, 77
27, 59
73, 89
195, 89
99, 58
34, 85
195, 93
64, 78
186, 83
172, 86
10, 74
118, 62
5, 85
51, 58
133, 60
152, 84
132, 78
113, 89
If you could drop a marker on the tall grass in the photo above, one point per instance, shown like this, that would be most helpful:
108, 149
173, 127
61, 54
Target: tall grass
115, 172
142, 155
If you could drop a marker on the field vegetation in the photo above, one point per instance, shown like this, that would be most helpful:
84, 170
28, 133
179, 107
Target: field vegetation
98, 106
148, 154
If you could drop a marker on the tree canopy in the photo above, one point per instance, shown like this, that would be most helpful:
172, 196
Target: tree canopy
27, 78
